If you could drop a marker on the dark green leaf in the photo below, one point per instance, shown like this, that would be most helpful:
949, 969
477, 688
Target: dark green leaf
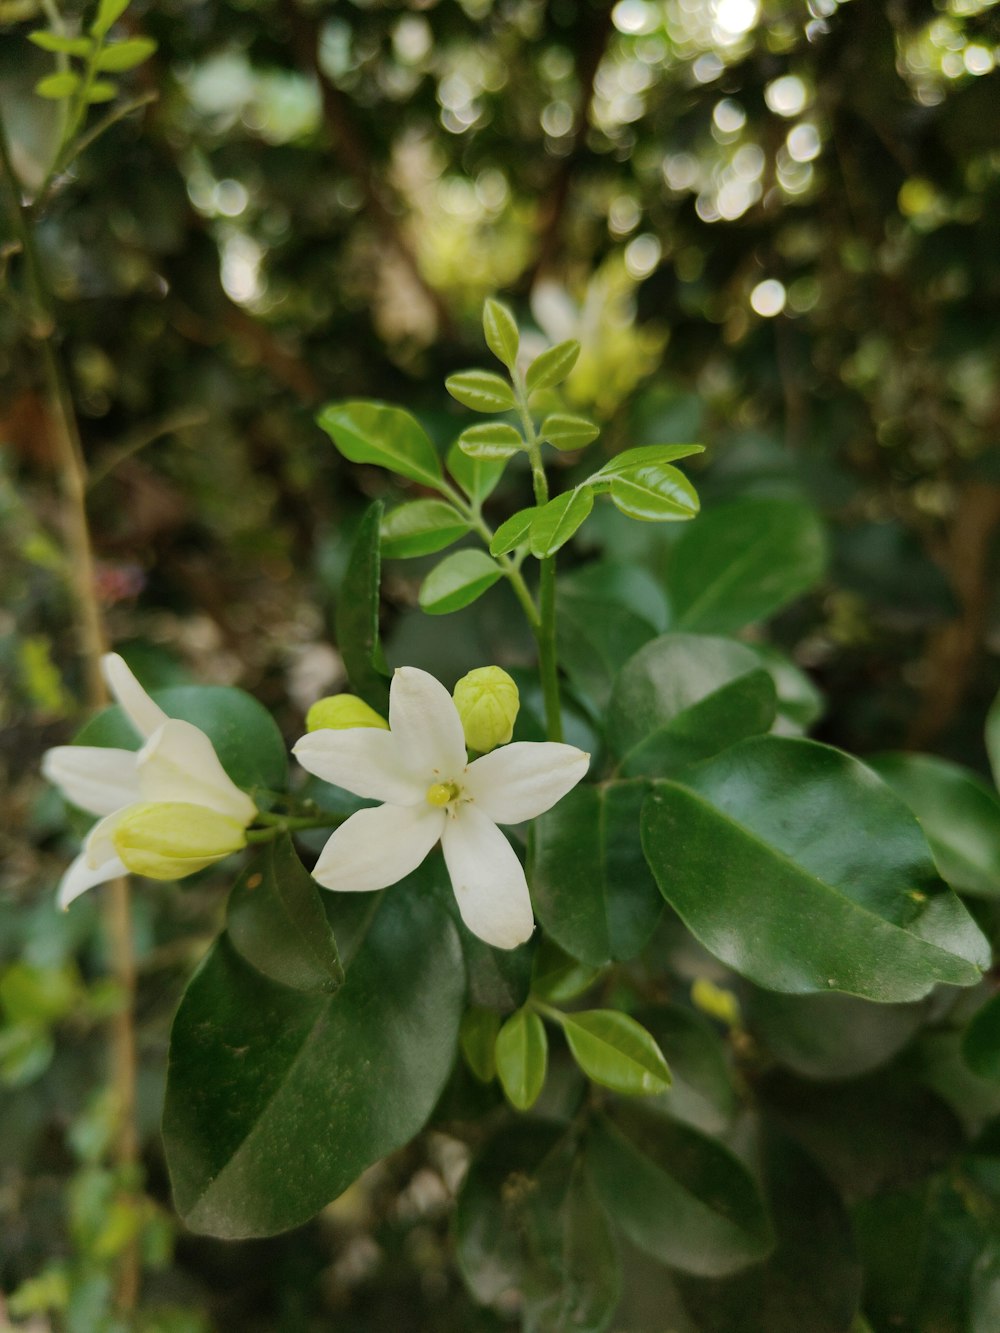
420, 528
654, 493
55, 42
558, 977
125, 55
368, 432
590, 885
604, 615
477, 477
358, 611
615, 1051
800, 703
743, 561
276, 920
500, 328
458, 580
702, 1092
478, 1038
678, 1195
821, 878
492, 442
959, 814
498, 978
568, 432
555, 523
552, 366
277, 1100
481, 391
981, 1041
57, 86
993, 738
522, 1057
513, 531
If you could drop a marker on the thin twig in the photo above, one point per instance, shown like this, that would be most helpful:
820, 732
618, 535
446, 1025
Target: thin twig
183, 420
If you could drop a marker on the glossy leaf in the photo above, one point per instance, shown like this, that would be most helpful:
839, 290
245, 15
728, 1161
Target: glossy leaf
420, 528
481, 391
522, 1057
604, 614
567, 432
276, 921
458, 580
125, 55
800, 703
646, 455
357, 614
57, 42
820, 877
57, 86
552, 366
498, 978
277, 1100
678, 1195
492, 442
683, 697
654, 493
590, 884
500, 329
385, 436
513, 531
743, 561
556, 522
557, 976
477, 477
615, 1051
959, 814
981, 1041
477, 1038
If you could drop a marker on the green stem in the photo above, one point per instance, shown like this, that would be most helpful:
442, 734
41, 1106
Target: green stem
511, 572
546, 1010
291, 823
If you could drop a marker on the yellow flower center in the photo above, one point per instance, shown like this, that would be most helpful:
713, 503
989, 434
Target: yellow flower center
440, 794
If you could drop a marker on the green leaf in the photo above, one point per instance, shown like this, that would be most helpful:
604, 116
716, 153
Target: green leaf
993, 738
702, 1092
513, 532
820, 877
421, 527
615, 1051
367, 432
478, 1038
555, 523
477, 477
108, 13
647, 455
743, 561
57, 86
481, 391
458, 580
590, 884
604, 614
552, 366
684, 697
654, 493
498, 978
558, 977
357, 612
981, 1041
125, 55
522, 1053
277, 1099
678, 1195
275, 919
57, 43
101, 91
492, 442
568, 432
959, 814
500, 328
800, 703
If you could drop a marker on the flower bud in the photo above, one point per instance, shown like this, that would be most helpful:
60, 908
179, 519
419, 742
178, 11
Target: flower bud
171, 839
487, 702
338, 712
716, 1001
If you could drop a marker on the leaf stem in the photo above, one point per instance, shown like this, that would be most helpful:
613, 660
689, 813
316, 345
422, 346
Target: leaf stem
511, 569
546, 1011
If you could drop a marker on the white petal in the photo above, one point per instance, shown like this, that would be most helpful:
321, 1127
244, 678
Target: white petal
363, 760
489, 883
133, 700
375, 848
80, 877
95, 778
522, 780
179, 763
99, 846
426, 726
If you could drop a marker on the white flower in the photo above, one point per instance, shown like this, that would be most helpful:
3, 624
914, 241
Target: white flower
419, 768
177, 766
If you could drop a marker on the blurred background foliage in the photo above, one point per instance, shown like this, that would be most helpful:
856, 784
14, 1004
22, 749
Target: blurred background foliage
772, 226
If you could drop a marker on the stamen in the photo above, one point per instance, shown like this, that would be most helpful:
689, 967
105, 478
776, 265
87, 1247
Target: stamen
442, 793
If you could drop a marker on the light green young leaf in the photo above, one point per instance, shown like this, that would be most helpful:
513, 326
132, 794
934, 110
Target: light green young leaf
556, 522
500, 328
481, 391
421, 527
568, 432
476, 476
108, 13
389, 437
121, 56
552, 366
513, 532
458, 581
58, 44
101, 91
57, 86
492, 442
478, 1038
646, 455
615, 1051
522, 1058
654, 493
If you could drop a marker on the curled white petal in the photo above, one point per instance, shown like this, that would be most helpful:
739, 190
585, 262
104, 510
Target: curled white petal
80, 876
487, 878
426, 726
97, 779
179, 763
375, 848
525, 779
99, 845
135, 703
362, 760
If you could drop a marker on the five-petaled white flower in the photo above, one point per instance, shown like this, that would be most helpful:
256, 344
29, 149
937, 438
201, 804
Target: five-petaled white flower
420, 770
176, 774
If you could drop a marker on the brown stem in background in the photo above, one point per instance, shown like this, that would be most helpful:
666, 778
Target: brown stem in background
72, 478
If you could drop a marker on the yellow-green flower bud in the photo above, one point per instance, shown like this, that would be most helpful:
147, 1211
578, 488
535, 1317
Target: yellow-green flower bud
340, 711
171, 839
716, 1001
487, 702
